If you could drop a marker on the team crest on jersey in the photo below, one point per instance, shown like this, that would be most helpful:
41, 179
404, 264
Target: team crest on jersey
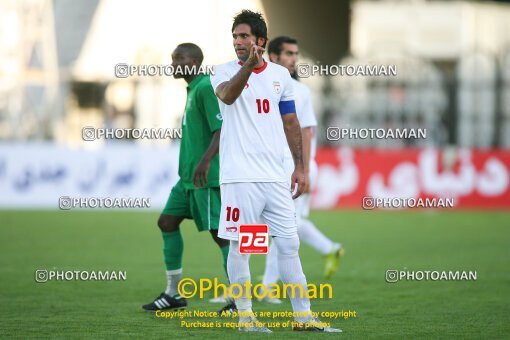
277, 87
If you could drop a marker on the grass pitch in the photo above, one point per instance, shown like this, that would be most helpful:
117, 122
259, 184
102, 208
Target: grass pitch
375, 241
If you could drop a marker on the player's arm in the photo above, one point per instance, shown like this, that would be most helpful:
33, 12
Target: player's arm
293, 133
230, 90
307, 151
208, 104
202, 169
308, 123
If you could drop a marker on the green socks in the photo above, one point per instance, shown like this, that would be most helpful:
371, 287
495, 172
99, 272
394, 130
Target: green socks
173, 248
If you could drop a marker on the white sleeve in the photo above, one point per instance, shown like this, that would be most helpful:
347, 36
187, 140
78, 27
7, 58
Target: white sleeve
220, 76
288, 88
305, 110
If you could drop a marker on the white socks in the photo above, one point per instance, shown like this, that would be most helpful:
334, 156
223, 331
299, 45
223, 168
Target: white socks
238, 267
271, 274
289, 266
173, 278
309, 233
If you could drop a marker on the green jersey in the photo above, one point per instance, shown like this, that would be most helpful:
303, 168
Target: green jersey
201, 119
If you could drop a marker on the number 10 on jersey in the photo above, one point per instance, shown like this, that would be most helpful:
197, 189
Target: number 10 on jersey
263, 106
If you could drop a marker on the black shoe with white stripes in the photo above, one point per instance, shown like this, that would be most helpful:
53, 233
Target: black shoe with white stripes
229, 309
166, 302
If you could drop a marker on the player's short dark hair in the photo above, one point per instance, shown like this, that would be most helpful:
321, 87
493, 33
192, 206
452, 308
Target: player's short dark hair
193, 51
276, 44
256, 22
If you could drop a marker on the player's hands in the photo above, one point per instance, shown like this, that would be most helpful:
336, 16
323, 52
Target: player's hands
201, 171
306, 190
255, 55
298, 178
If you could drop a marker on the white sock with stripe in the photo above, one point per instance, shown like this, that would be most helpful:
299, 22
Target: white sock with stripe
173, 279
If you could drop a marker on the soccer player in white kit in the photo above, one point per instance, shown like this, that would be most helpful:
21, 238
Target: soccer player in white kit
257, 105
284, 51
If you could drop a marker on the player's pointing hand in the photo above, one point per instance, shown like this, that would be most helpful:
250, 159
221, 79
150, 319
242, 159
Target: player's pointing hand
255, 54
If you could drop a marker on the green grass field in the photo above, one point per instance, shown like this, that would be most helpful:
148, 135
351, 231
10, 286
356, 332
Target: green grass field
375, 242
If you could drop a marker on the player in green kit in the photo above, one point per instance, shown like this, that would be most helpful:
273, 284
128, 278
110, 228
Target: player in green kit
197, 194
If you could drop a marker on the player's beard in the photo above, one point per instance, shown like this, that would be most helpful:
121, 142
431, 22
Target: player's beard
294, 75
244, 57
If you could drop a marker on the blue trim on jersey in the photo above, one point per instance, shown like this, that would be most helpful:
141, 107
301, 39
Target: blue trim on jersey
288, 106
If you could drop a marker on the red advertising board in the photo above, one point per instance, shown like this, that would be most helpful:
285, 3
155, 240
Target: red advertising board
473, 178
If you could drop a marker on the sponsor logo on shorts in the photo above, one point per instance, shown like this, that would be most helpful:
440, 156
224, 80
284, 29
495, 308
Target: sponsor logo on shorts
232, 229
253, 239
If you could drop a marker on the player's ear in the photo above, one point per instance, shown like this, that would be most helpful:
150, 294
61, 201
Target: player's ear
261, 41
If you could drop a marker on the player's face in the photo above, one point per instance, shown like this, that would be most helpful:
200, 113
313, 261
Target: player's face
242, 41
288, 57
180, 58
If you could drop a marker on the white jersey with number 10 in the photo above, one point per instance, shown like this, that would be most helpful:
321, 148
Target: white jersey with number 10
253, 143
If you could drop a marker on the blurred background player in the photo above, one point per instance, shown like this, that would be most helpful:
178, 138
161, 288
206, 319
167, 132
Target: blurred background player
257, 104
197, 194
284, 50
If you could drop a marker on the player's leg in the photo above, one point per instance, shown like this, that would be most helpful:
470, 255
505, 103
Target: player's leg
311, 235
205, 205
242, 203
224, 246
307, 231
205, 208
271, 274
176, 209
238, 266
173, 249
239, 273
332, 251
279, 214
291, 272
236, 201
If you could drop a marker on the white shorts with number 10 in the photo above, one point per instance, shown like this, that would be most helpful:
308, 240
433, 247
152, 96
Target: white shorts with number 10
257, 203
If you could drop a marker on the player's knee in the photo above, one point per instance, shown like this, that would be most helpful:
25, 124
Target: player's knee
167, 224
233, 251
287, 246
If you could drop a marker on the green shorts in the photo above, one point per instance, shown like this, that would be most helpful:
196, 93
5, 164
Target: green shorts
202, 205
